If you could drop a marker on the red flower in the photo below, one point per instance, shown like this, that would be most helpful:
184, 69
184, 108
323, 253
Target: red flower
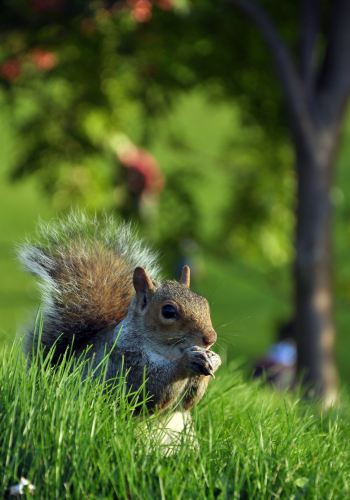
44, 60
11, 69
141, 10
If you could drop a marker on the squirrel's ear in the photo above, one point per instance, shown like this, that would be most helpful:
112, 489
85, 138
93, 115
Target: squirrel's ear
142, 282
186, 276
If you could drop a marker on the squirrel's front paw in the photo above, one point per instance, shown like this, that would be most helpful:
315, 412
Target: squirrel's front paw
214, 359
200, 361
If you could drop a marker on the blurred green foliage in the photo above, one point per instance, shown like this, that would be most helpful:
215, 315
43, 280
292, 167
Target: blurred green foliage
84, 73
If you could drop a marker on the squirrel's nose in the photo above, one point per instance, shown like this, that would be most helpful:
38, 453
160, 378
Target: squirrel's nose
209, 338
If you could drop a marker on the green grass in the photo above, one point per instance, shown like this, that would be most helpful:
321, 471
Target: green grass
76, 440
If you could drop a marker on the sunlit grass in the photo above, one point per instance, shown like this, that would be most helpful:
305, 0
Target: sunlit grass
80, 440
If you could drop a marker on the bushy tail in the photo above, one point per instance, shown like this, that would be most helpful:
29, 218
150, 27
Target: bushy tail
85, 267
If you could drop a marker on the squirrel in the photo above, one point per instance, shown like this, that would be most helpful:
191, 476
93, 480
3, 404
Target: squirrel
101, 289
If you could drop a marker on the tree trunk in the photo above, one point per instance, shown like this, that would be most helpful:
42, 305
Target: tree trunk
316, 97
315, 329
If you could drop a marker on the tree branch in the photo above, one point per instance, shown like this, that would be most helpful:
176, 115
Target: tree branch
286, 71
334, 82
309, 28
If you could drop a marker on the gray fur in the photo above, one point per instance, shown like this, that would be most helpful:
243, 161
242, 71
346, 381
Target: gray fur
45, 256
81, 263
122, 238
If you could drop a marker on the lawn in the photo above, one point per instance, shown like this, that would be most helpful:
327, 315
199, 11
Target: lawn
74, 440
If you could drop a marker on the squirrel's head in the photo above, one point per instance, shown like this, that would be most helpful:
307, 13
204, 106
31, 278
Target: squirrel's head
170, 313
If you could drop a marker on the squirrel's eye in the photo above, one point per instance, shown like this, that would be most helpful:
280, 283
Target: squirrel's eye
169, 311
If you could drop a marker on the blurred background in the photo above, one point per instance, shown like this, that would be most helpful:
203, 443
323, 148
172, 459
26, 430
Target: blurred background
170, 113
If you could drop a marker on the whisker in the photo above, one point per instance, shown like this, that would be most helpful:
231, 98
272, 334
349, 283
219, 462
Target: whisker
177, 340
224, 325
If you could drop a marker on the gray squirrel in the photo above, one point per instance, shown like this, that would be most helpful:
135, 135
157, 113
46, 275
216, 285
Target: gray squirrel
101, 289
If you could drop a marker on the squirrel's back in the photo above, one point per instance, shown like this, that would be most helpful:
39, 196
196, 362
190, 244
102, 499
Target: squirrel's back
85, 268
